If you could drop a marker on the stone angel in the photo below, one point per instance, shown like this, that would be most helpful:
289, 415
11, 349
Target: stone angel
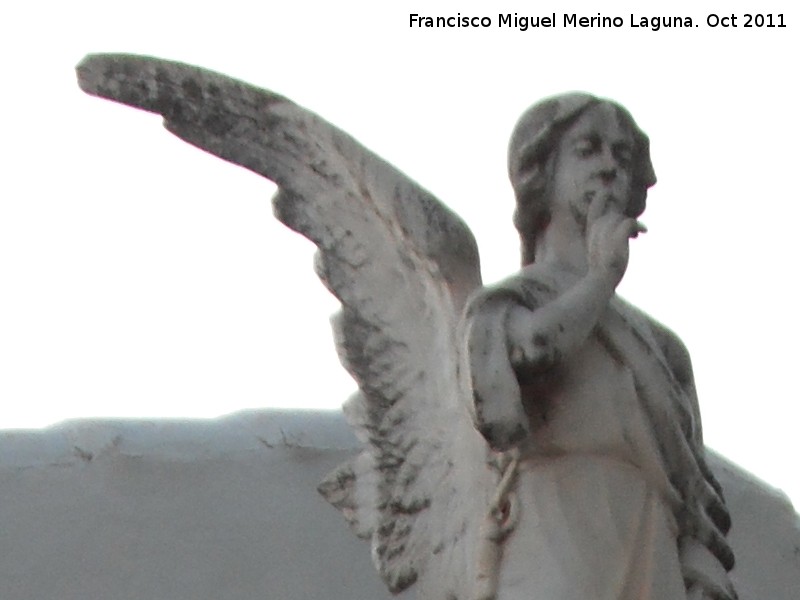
539, 438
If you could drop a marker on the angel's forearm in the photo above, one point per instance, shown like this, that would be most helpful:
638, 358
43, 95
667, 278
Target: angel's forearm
539, 339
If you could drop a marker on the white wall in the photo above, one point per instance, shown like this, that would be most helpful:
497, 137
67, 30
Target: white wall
205, 510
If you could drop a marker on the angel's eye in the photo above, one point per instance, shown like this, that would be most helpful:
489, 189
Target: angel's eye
624, 155
585, 147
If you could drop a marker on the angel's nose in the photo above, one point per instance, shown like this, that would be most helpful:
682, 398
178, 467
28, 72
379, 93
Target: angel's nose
608, 174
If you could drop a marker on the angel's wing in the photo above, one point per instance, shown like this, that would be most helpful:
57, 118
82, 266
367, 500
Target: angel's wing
402, 266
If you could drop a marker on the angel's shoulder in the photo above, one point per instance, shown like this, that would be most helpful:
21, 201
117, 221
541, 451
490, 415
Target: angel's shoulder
531, 287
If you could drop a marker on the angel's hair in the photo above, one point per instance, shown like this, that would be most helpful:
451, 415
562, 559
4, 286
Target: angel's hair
531, 155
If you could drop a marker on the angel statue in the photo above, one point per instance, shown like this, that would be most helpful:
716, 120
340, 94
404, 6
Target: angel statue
535, 439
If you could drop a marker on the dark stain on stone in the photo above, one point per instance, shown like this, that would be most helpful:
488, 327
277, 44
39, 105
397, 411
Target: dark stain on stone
84, 455
192, 90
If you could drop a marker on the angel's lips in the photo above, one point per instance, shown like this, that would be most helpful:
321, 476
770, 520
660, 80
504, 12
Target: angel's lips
611, 197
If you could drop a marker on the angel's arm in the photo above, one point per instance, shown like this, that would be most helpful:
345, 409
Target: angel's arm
513, 335
527, 336
539, 339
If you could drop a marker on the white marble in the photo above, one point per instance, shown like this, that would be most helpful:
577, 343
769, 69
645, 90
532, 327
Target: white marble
536, 438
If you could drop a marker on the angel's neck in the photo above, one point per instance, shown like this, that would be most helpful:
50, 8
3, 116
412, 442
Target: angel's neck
563, 246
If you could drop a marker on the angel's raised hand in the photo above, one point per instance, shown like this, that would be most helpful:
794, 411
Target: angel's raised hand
607, 239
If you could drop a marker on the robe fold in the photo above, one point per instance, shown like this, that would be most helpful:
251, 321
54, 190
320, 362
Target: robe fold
616, 500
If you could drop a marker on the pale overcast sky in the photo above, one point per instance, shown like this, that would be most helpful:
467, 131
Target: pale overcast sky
141, 277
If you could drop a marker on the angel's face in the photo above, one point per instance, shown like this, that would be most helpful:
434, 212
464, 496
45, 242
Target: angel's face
594, 158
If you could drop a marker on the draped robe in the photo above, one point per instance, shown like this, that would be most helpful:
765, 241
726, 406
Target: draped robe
616, 501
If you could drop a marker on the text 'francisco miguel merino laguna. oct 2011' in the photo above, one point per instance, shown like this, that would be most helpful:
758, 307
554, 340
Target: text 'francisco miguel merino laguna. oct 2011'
598, 21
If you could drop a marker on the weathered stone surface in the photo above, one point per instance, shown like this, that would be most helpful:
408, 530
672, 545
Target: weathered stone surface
536, 438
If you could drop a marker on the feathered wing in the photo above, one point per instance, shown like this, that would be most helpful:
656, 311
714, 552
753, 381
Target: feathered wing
402, 266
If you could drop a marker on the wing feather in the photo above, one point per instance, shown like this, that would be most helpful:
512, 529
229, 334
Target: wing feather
401, 264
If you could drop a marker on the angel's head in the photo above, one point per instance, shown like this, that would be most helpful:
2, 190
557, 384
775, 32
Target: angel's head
533, 159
